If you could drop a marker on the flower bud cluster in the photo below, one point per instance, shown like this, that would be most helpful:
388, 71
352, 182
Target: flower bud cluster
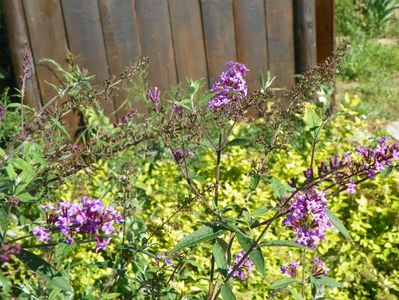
87, 217
231, 85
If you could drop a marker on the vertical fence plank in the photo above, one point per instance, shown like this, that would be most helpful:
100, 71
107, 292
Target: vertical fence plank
220, 44
83, 26
188, 39
305, 34
156, 41
48, 40
325, 29
280, 38
250, 28
121, 39
18, 39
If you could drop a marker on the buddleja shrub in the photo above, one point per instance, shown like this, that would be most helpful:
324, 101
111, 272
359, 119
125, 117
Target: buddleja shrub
33, 168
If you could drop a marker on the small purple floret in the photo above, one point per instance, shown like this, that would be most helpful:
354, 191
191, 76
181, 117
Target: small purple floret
290, 269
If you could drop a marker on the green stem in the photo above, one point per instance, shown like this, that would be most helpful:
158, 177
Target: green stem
303, 274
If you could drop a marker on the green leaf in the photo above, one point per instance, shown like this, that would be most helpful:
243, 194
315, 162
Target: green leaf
260, 211
256, 255
11, 172
338, 224
227, 293
25, 197
60, 127
295, 294
239, 142
202, 235
313, 286
3, 220
44, 269
385, 173
23, 165
109, 296
328, 281
282, 243
219, 253
282, 283
280, 189
254, 182
312, 119
60, 282
2, 153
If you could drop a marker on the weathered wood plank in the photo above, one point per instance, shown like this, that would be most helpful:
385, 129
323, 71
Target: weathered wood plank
220, 43
188, 39
325, 29
305, 34
250, 28
122, 43
18, 39
83, 26
48, 40
280, 39
156, 41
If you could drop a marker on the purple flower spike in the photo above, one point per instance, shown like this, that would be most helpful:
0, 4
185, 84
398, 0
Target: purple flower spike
290, 269
308, 217
319, 268
231, 86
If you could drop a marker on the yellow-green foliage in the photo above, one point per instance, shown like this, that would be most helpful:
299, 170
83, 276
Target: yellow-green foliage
367, 265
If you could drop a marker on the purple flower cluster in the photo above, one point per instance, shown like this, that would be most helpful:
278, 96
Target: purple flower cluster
9, 249
2, 113
245, 269
290, 269
341, 170
87, 217
319, 268
308, 217
155, 97
231, 85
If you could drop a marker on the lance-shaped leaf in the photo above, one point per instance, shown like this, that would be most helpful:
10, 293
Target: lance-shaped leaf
328, 281
256, 254
338, 224
227, 293
44, 269
204, 234
283, 283
281, 243
219, 253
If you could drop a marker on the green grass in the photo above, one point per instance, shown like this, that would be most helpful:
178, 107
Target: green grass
371, 71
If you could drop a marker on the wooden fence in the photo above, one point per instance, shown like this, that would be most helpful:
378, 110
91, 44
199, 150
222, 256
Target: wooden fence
182, 38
